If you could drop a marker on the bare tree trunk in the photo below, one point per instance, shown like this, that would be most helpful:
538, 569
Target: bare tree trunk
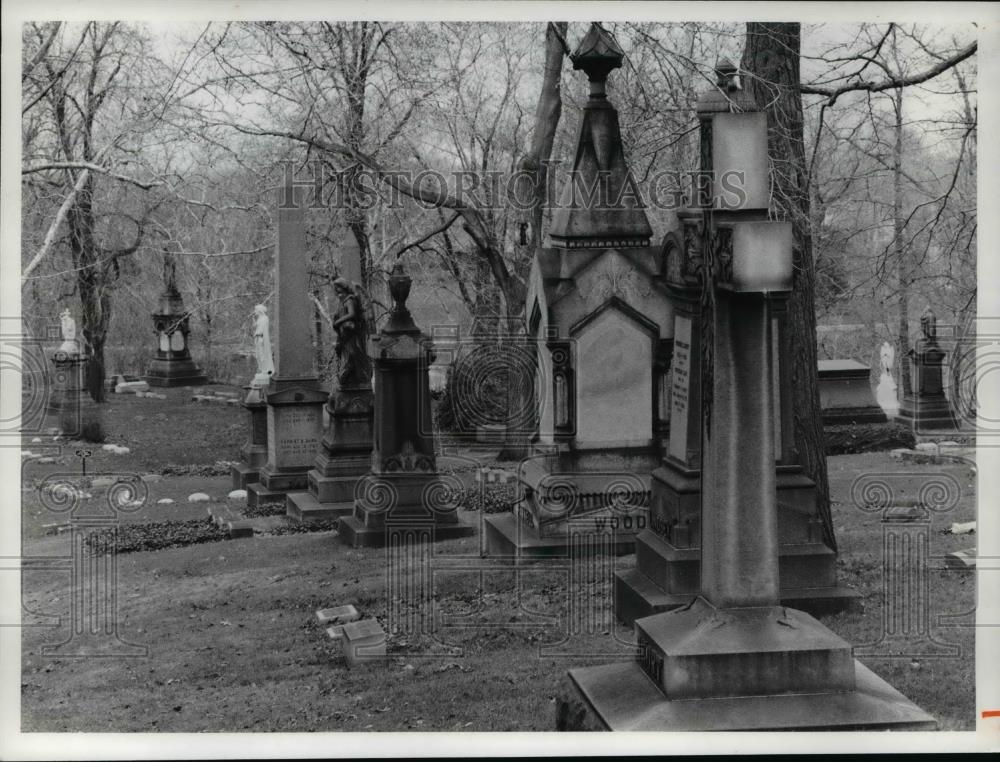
534, 166
901, 253
771, 57
91, 282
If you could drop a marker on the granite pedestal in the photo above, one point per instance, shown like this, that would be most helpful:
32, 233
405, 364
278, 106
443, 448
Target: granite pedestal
344, 456
253, 454
402, 486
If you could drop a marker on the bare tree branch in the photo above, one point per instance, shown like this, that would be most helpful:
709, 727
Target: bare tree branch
891, 83
145, 185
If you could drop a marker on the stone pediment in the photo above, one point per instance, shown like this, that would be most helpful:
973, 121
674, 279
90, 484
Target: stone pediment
296, 395
614, 273
615, 303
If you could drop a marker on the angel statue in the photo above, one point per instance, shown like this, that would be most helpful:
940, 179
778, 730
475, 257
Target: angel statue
888, 355
68, 328
885, 394
262, 345
354, 367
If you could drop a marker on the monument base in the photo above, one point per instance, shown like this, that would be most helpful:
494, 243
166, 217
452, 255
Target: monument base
170, 373
929, 412
597, 496
620, 697
668, 556
666, 577
244, 475
284, 480
303, 507
258, 496
755, 668
415, 498
510, 540
355, 534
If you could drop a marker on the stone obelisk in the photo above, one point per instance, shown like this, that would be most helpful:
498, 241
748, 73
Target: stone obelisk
294, 400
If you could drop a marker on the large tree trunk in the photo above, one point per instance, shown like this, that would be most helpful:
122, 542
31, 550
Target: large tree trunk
534, 167
95, 300
771, 58
900, 253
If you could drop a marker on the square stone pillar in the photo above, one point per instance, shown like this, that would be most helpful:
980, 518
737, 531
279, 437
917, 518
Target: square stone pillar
403, 484
734, 659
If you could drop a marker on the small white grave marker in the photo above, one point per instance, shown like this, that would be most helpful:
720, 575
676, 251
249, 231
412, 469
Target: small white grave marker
967, 527
337, 615
363, 641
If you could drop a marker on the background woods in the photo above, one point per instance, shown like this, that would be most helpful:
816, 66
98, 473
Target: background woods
136, 139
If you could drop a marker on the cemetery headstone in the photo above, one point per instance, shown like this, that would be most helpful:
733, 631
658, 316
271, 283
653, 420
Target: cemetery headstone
926, 405
293, 399
172, 365
845, 393
403, 490
668, 553
69, 399
597, 313
345, 450
735, 659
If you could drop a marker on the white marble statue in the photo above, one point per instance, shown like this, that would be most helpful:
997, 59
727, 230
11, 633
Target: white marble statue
262, 346
68, 325
885, 393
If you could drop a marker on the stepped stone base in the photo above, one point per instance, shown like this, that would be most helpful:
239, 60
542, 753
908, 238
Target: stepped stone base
244, 475
927, 413
258, 496
513, 541
354, 533
637, 596
755, 668
621, 697
169, 373
303, 507
666, 577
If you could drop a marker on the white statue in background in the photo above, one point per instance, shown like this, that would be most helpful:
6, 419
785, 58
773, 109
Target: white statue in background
68, 327
262, 347
885, 394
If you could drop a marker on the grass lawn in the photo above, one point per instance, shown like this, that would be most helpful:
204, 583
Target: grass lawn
233, 643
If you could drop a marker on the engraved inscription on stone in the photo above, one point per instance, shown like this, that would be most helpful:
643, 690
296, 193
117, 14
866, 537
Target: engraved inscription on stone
293, 435
680, 388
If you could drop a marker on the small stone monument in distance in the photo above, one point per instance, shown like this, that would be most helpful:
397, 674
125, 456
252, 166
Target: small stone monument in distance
926, 406
69, 390
845, 393
403, 485
172, 365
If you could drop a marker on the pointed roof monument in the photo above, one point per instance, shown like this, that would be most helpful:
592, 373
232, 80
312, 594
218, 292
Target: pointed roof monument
600, 206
